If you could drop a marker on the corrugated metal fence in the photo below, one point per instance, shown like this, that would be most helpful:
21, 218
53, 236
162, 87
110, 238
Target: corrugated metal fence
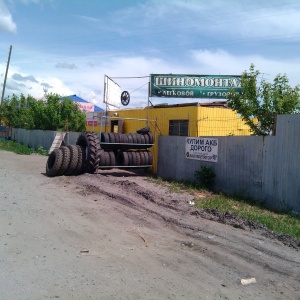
261, 168
35, 138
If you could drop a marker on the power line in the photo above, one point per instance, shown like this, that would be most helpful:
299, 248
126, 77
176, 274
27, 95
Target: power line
128, 77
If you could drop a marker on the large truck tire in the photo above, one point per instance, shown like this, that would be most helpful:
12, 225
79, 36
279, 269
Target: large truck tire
80, 165
54, 162
89, 141
73, 160
66, 160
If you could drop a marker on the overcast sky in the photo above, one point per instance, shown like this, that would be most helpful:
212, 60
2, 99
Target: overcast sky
66, 46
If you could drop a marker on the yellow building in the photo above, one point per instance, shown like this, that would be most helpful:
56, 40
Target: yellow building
191, 119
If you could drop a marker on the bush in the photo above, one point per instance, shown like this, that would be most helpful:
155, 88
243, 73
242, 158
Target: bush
206, 176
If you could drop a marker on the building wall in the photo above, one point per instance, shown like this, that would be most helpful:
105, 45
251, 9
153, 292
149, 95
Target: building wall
203, 121
220, 122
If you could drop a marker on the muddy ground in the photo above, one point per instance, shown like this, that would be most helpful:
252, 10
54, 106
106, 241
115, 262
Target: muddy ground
116, 235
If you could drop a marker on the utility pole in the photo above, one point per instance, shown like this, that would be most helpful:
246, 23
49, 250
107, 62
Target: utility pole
5, 77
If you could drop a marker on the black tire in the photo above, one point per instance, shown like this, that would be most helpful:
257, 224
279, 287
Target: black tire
122, 159
102, 158
73, 160
138, 138
143, 158
150, 157
142, 139
151, 137
121, 138
80, 165
138, 158
104, 137
146, 136
66, 160
130, 158
54, 162
130, 138
91, 144
117, 137
134, 159
107, 159
125, 138
112, 158
144, 130
111, 137
134, 138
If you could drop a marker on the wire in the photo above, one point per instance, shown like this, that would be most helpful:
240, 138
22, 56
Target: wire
139, 88
130, 77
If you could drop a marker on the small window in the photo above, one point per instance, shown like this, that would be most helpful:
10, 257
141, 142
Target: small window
179, 127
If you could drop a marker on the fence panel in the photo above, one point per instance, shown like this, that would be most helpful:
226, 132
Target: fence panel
261, 168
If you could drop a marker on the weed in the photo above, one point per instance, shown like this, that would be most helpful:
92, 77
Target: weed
19, 148
41, 150
206, 176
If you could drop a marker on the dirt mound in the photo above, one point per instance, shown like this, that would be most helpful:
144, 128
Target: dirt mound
173, 208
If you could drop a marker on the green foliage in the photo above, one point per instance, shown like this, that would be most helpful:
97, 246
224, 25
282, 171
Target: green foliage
52, 114
259, 104
206, 176
278, 222
41, 150
15, 147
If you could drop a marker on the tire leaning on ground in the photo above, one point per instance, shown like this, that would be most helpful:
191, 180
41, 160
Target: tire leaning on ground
80, 165
66, 160
89, 141
54, 162
73, 160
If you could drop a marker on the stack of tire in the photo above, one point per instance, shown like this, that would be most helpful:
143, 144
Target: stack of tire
75, 159
115, 149
126, 150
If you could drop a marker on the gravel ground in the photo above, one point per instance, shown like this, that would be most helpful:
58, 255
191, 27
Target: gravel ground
115, 235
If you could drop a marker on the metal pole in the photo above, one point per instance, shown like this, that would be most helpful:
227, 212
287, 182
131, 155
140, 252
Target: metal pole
147, 122
5, 77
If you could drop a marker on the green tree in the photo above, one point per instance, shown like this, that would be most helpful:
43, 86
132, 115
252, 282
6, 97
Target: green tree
52, 114
74, 119
9, 110
260, 103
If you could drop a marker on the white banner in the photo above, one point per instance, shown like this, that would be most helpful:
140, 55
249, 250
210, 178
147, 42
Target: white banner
205, 149
112, 92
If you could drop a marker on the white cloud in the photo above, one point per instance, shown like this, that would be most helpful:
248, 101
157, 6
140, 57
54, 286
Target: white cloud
222, 62
88, 82
65, 65
6, 21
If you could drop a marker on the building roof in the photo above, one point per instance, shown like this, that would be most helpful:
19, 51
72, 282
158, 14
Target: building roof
78, 99
204, 104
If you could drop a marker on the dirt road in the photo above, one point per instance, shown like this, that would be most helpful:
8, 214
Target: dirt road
115, 235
